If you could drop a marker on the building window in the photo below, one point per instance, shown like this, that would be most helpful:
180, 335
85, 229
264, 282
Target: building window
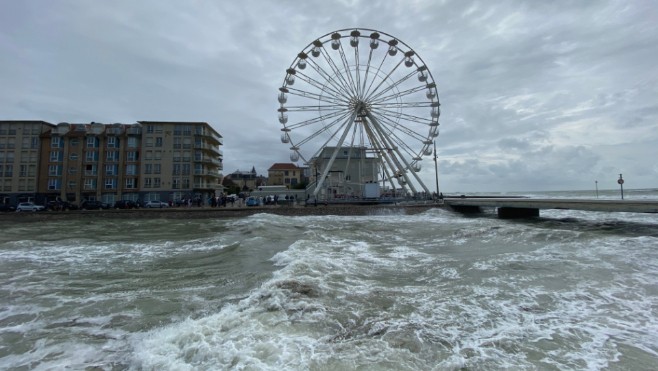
130, 183
55, 156
158, 141
54, 170
186, 169
131, 170
91, 170
186, 183
112, 156
178, 143
23, 171
149, 129
147, 182
111, 170
72, 184
148, 169
111, 142
133, 156
53, 184
73, 157
156, 182
91, 156
92, 142
175, 183
149, 142
176, 169
110, 183
73, 170
90, 184
132, 142
158, 155
74, 142
157, 168
55, 141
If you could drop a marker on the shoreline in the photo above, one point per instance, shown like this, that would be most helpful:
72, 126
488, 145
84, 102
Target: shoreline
220, 212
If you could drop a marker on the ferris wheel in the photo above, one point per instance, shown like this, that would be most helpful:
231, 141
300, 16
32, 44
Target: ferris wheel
365, 92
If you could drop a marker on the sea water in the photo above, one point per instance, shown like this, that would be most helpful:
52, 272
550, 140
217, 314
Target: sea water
435, 290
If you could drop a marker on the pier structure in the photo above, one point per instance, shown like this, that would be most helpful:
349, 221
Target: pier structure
510, 208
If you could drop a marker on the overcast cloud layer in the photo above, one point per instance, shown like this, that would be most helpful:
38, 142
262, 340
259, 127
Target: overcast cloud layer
537, 95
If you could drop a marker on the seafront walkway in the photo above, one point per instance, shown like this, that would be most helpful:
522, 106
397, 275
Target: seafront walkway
529, 207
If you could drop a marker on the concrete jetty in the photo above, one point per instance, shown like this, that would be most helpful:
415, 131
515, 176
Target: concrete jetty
529, 207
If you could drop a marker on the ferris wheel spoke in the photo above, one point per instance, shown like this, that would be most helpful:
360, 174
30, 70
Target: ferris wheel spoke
399, 105
365, 75
325, 128
338, 84
357, 71
318, 119
330, 87
316, 96
390, 87
399, 94
322, 108
336, 71
388, 114
393, 125
383, 80
348, 72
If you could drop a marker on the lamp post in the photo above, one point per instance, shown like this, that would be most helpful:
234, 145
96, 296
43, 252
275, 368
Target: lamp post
436, 171
596, 184
621, 185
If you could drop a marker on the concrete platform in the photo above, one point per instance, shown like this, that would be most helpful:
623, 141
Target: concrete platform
529, 207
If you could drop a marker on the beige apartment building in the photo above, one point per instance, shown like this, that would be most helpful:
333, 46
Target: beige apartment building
20, 150
286, 174
148, 160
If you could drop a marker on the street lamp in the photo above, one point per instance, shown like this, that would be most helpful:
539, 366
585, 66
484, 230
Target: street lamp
596, 184
436, 171
621, 185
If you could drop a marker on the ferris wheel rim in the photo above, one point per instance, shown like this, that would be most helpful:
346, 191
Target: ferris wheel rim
338, 93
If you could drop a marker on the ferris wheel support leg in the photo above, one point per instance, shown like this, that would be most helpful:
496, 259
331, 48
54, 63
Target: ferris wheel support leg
398, 156
325, 172
384, 156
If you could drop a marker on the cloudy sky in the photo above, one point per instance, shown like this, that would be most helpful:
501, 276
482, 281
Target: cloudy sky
535, 95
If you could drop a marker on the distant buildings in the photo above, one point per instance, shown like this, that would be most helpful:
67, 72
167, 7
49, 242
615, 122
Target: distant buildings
287, 174
148, 160
245, 180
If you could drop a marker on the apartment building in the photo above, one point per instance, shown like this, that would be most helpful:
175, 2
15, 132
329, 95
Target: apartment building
148, 160
19, 159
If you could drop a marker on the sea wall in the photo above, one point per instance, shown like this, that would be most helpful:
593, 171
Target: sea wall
221, 212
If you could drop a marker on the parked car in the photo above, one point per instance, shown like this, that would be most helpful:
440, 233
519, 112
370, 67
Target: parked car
29, 206
61, 205
93, 205
126, 204
6, 207
156, 204
252, 201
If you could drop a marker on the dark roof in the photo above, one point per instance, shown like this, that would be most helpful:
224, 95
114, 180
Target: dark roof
283, 166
